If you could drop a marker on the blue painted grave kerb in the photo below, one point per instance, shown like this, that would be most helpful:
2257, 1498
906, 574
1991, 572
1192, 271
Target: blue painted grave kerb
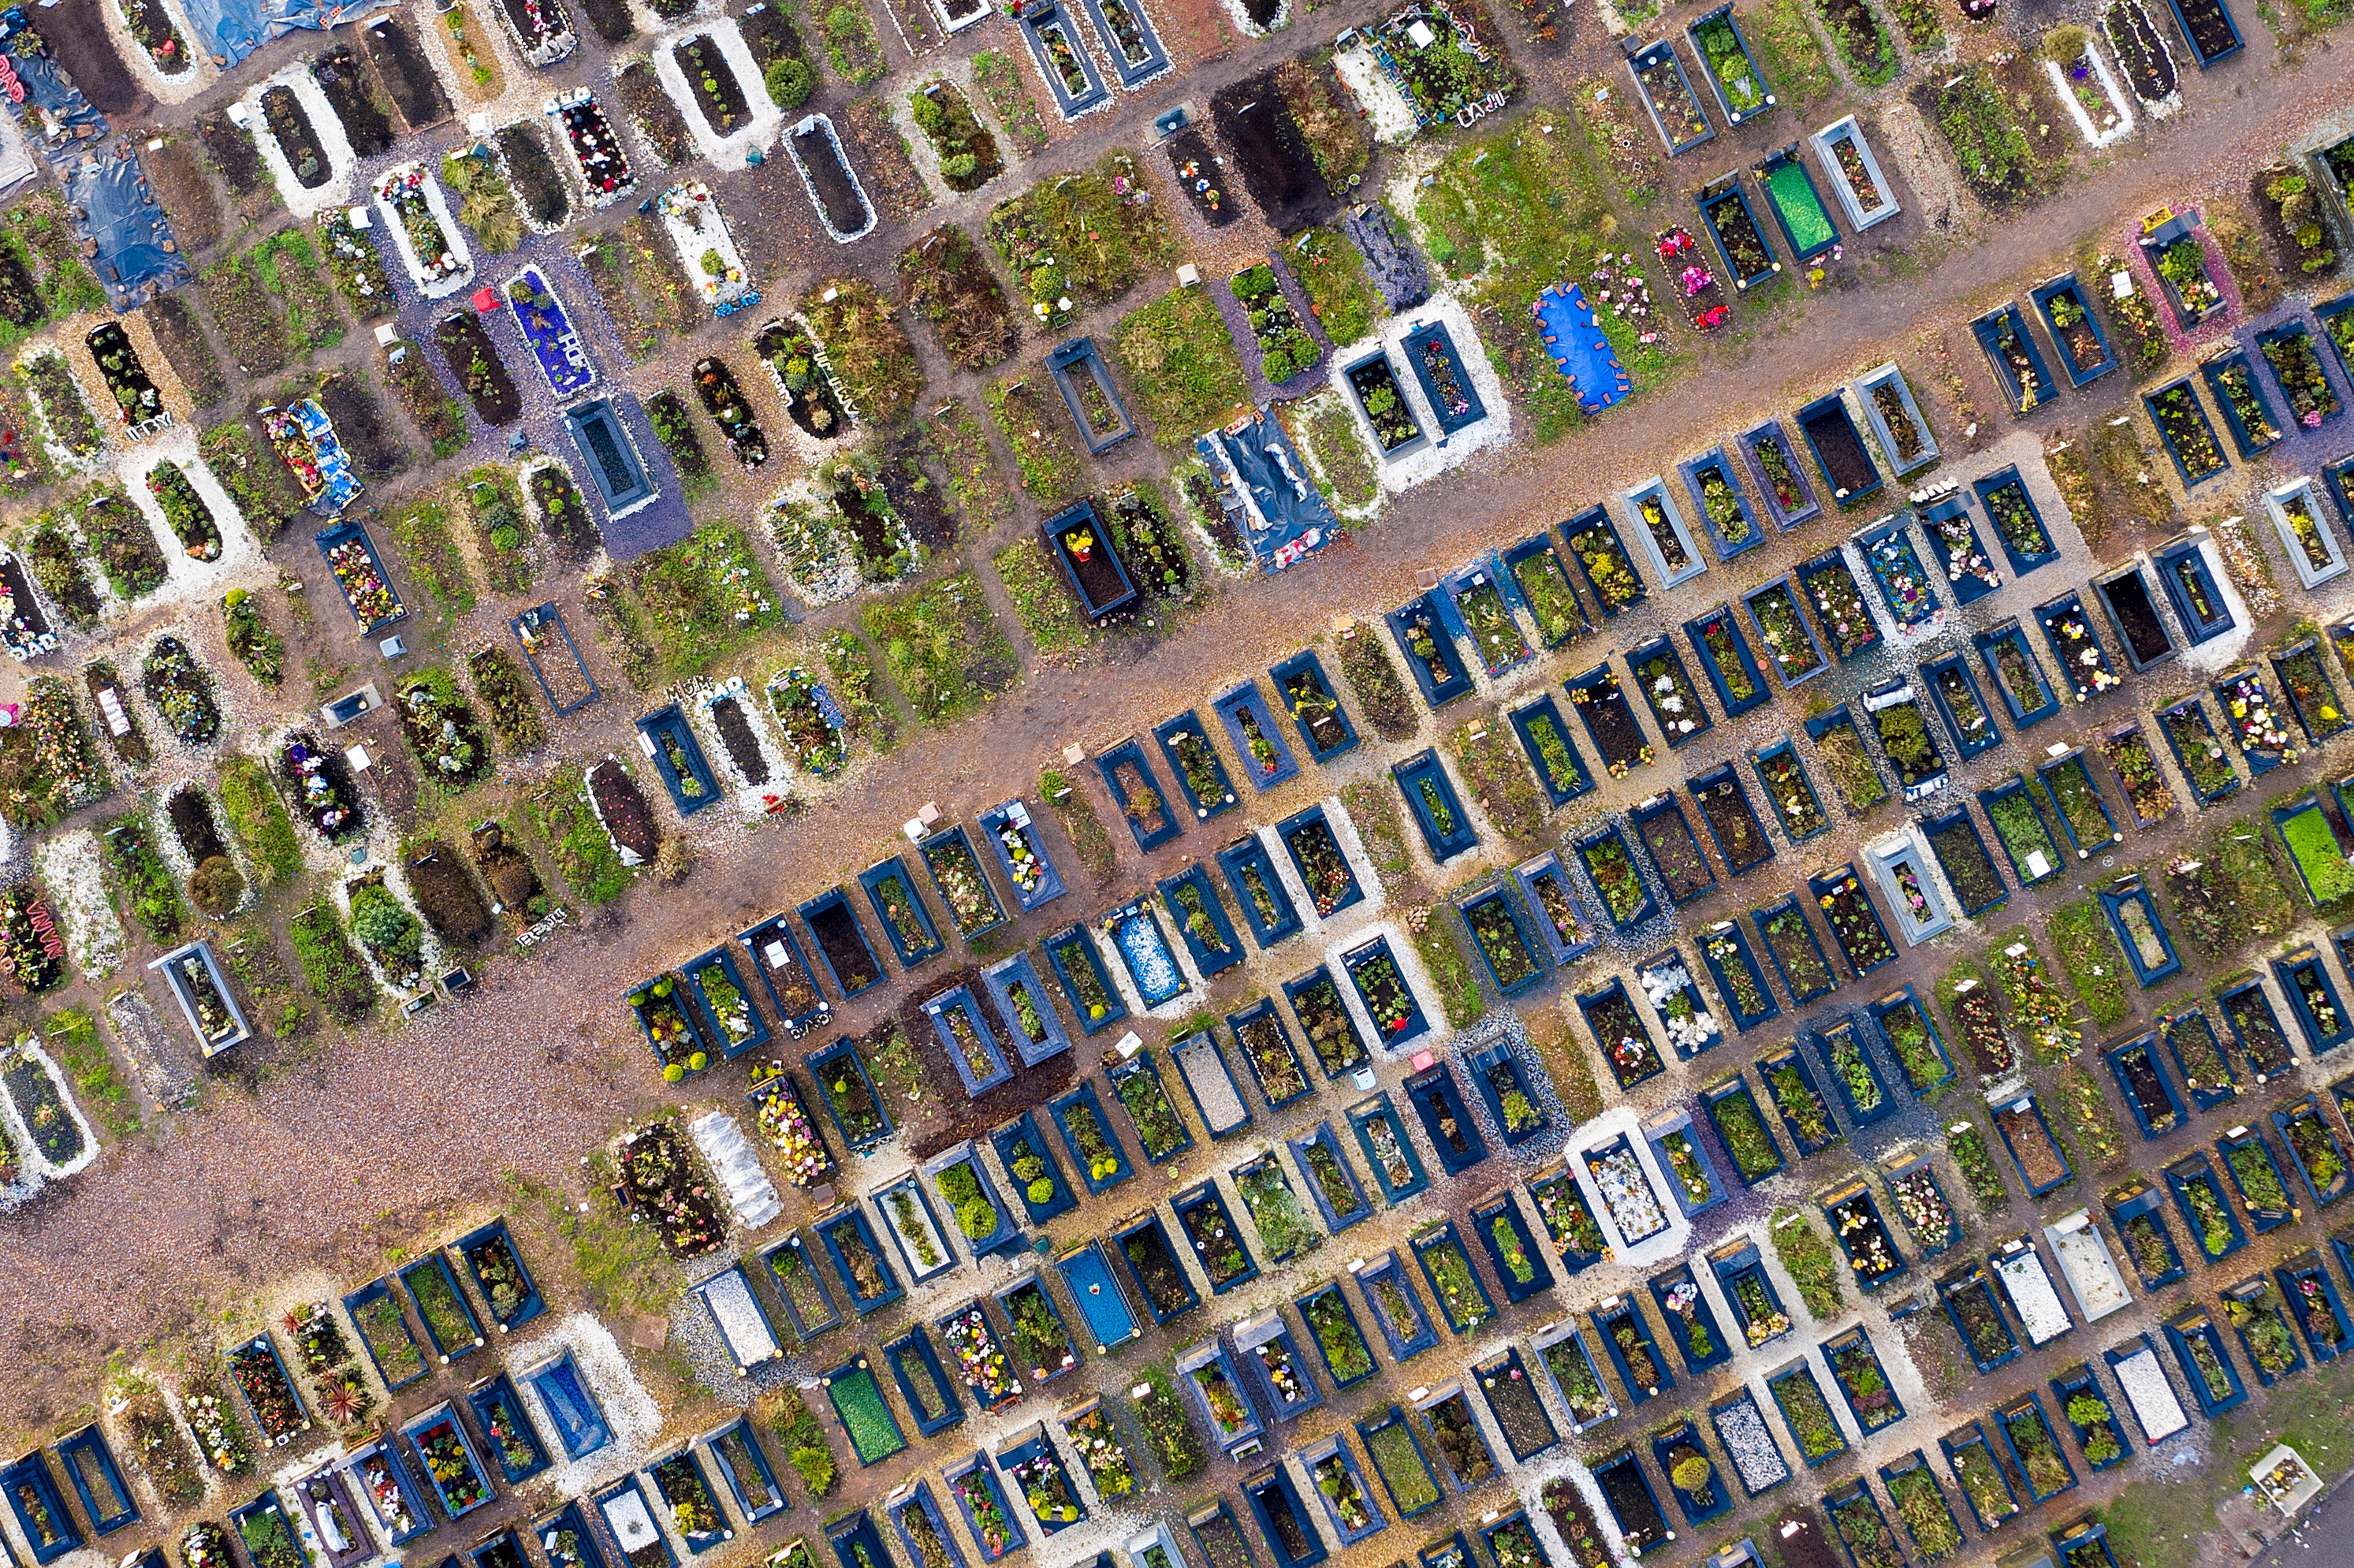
1305, 665
777, 933
1270, 1494
2049, 774
1722, 777
1459, 585
1399, 1019
1951, 505
1738, 1088
1070, 951
1493, 897
1890, 376
2306, 1268
2247, 1294
1438, 1103
1739, 1261
2030, 388
919, 1500
1961, 1441
1761, 759
1335, 1220
1221, 794
1854, 1201
2043, 296
2196, 1168
1440, 676
1363, 1117
1255, 1339
1198, 1051
2197, 1324
1005, 1237
1832, 562
355, 1303
1427, 341
1654, 492
1857, 1340
1045, 883
2191, 588
1370, 1277
1516, 1240
2175, 1026
757, 1495
999, 978
1787, 158
1133, 755
1135, 934
414, 1432
1623, 1463
1263, 1012
1613, 1310
835, 900
2312, 996
1539, 547
1544, 876
669, 724
1248, 855
1987, 644
1830, 412
1343, 1054
1897, 570
1036, 23
1787, 1374
1597, 520
1649, 905
1747, 536
1973, 1276
808, 1320
1805, 508
1243, 703
937, 845
2266, 1220
2287, 332
760, 1032
1007, 1140
1446, 830
2007, 483
1137, 1068
1523, 719
1789, 903
524, 628
1150, 1224
1291, 830
1498, 1072
421, 1519
2150, 405
2152, 1121
2247, 442
1698, 1509
2192, 707
1894, 1002
1211, 1360
1932, 826
1088, 1278
1663, 53
1987, 734
499, 1414
1697, 631
1335, 1452
843, 1054
2079, 1379
87, 1450
1208, 959
2027, 1105
2308, 1110
329, 540
579, 1421
856, 1541
854, 1219
1712, 201
1664, 1288
2114, 902
1430, 1404
1060, 1109
910, 1357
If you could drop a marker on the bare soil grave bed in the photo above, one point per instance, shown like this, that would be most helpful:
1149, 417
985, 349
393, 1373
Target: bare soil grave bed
537, 182
402, 64
650, 108
1278, 168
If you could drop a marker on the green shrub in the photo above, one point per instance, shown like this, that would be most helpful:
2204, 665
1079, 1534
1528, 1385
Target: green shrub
789, 83
259, 820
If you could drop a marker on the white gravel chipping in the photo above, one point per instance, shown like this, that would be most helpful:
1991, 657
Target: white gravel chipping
2024, 1276
69, 868
741, 1323
1212, 1088
1744, 1432
2154, 1404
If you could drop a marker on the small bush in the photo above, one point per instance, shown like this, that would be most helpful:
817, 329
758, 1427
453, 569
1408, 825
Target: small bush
789, 83
217, 887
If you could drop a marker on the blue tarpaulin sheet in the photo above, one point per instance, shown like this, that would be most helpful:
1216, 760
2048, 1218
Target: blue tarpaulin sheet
229, 30
1576, 342
106, 195
1287, 517
112, 205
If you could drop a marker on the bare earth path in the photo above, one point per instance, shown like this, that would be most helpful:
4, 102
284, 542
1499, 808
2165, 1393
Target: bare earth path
380, 1132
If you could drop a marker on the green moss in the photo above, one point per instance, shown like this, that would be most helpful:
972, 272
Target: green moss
1184, 375
259, 820
2089, 953
331, 966
943, 647
1043, 601
583, 853
424, 543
